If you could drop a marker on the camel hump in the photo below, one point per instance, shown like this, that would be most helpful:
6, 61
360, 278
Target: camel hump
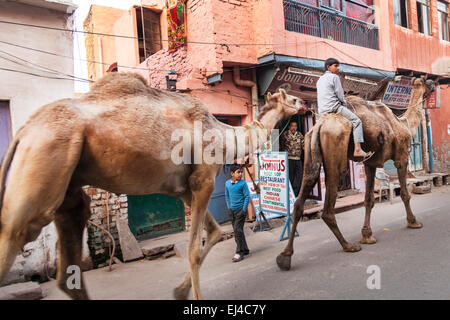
116, 85
196, 110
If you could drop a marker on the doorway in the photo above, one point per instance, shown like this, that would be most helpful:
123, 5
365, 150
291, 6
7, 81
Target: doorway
5, 127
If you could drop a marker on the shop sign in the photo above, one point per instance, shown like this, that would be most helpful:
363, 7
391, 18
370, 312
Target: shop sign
255, 200
301, 82
398, 93
274, 182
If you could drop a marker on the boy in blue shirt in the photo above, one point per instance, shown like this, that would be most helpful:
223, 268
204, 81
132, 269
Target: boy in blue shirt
237, 197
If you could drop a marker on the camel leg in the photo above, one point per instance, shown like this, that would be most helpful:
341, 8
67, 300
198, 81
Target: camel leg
21, 222
70, 221
201, 184
214, 234
411, 219
39, 175
284, 258
328, 214
369, 201
10, 246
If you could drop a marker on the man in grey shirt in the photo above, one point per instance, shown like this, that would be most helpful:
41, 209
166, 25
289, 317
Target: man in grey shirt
330, 99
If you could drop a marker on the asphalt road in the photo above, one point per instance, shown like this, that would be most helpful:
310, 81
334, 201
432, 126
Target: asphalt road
412, 264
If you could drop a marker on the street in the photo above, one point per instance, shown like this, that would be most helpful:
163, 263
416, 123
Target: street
413, 264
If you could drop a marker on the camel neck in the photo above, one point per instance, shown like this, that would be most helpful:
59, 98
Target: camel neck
244, 140
413, 116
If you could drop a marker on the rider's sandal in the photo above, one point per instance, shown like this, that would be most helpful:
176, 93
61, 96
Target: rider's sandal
366, 156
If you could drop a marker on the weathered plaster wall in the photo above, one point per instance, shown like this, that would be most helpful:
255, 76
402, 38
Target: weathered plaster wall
25, 92
101, 49
440, 127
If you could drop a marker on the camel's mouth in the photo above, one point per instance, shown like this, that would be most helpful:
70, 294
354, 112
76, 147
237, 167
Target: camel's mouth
430, 86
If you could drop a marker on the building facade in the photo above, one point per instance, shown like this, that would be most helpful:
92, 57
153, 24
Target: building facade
231, 45
283, 43
236, 51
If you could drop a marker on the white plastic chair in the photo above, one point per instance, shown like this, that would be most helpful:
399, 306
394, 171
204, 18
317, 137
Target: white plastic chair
384, 183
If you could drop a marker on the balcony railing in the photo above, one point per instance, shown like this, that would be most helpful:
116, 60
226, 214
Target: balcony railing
318, 22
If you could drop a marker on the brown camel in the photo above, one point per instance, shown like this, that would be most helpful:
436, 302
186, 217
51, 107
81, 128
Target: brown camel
330, 142
117, 137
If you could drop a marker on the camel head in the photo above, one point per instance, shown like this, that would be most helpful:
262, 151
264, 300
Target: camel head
284, 104
425, 87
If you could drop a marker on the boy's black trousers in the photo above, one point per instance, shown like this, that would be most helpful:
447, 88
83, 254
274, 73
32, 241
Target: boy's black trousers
237, 218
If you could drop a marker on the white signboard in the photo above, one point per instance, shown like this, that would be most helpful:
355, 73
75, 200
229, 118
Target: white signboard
274, 182
255, 200
398, 93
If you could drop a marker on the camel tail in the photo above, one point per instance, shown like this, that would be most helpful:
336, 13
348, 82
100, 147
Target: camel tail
6, 163
313, 153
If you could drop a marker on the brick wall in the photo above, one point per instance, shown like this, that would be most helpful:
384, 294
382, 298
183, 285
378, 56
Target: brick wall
161, 62
104, 206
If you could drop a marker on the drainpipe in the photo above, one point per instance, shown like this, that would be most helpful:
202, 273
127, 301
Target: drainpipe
252, 84
247, 83
430, 146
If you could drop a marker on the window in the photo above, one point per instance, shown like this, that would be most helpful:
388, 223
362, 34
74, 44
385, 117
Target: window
423, 16
443, 20
357, 9
332, 4
149, 32
361, 10
401, 13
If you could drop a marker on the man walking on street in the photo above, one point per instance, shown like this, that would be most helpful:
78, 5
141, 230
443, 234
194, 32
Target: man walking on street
293, 141
330, 99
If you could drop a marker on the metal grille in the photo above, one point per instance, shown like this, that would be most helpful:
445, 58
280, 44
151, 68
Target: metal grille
318, 22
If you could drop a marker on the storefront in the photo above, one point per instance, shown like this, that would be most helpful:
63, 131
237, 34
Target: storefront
298, 76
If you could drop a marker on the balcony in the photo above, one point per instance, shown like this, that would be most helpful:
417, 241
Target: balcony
319, 22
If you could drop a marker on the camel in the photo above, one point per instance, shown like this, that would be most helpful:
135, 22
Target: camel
330, 142
117, 137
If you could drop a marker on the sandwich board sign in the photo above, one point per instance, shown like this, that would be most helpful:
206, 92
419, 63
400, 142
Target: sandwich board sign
274, 184
262, 217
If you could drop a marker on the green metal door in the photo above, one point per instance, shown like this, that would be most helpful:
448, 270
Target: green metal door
415, 156
154, 215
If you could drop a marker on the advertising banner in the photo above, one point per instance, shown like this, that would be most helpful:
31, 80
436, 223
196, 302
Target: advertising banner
255, 201
274, 182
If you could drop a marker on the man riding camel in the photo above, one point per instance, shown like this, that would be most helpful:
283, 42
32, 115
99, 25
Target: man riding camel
330, 99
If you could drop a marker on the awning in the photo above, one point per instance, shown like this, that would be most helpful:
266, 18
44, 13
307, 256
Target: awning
301, 82
300, 75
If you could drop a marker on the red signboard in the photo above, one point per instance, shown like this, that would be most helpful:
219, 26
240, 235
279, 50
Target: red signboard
434, 99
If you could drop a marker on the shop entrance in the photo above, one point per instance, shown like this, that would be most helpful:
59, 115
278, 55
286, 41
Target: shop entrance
304, 124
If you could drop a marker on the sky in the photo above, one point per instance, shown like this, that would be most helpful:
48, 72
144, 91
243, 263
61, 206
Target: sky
79, 49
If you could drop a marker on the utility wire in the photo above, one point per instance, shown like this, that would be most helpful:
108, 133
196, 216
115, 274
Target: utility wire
37, 75
39, 67
138, 38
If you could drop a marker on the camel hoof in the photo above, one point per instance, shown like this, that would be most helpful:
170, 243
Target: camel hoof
180, 293
368, 240
352, 247
284, 262
415, 225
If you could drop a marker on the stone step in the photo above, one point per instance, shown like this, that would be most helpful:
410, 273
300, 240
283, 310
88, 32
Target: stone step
421, 189
21, 291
